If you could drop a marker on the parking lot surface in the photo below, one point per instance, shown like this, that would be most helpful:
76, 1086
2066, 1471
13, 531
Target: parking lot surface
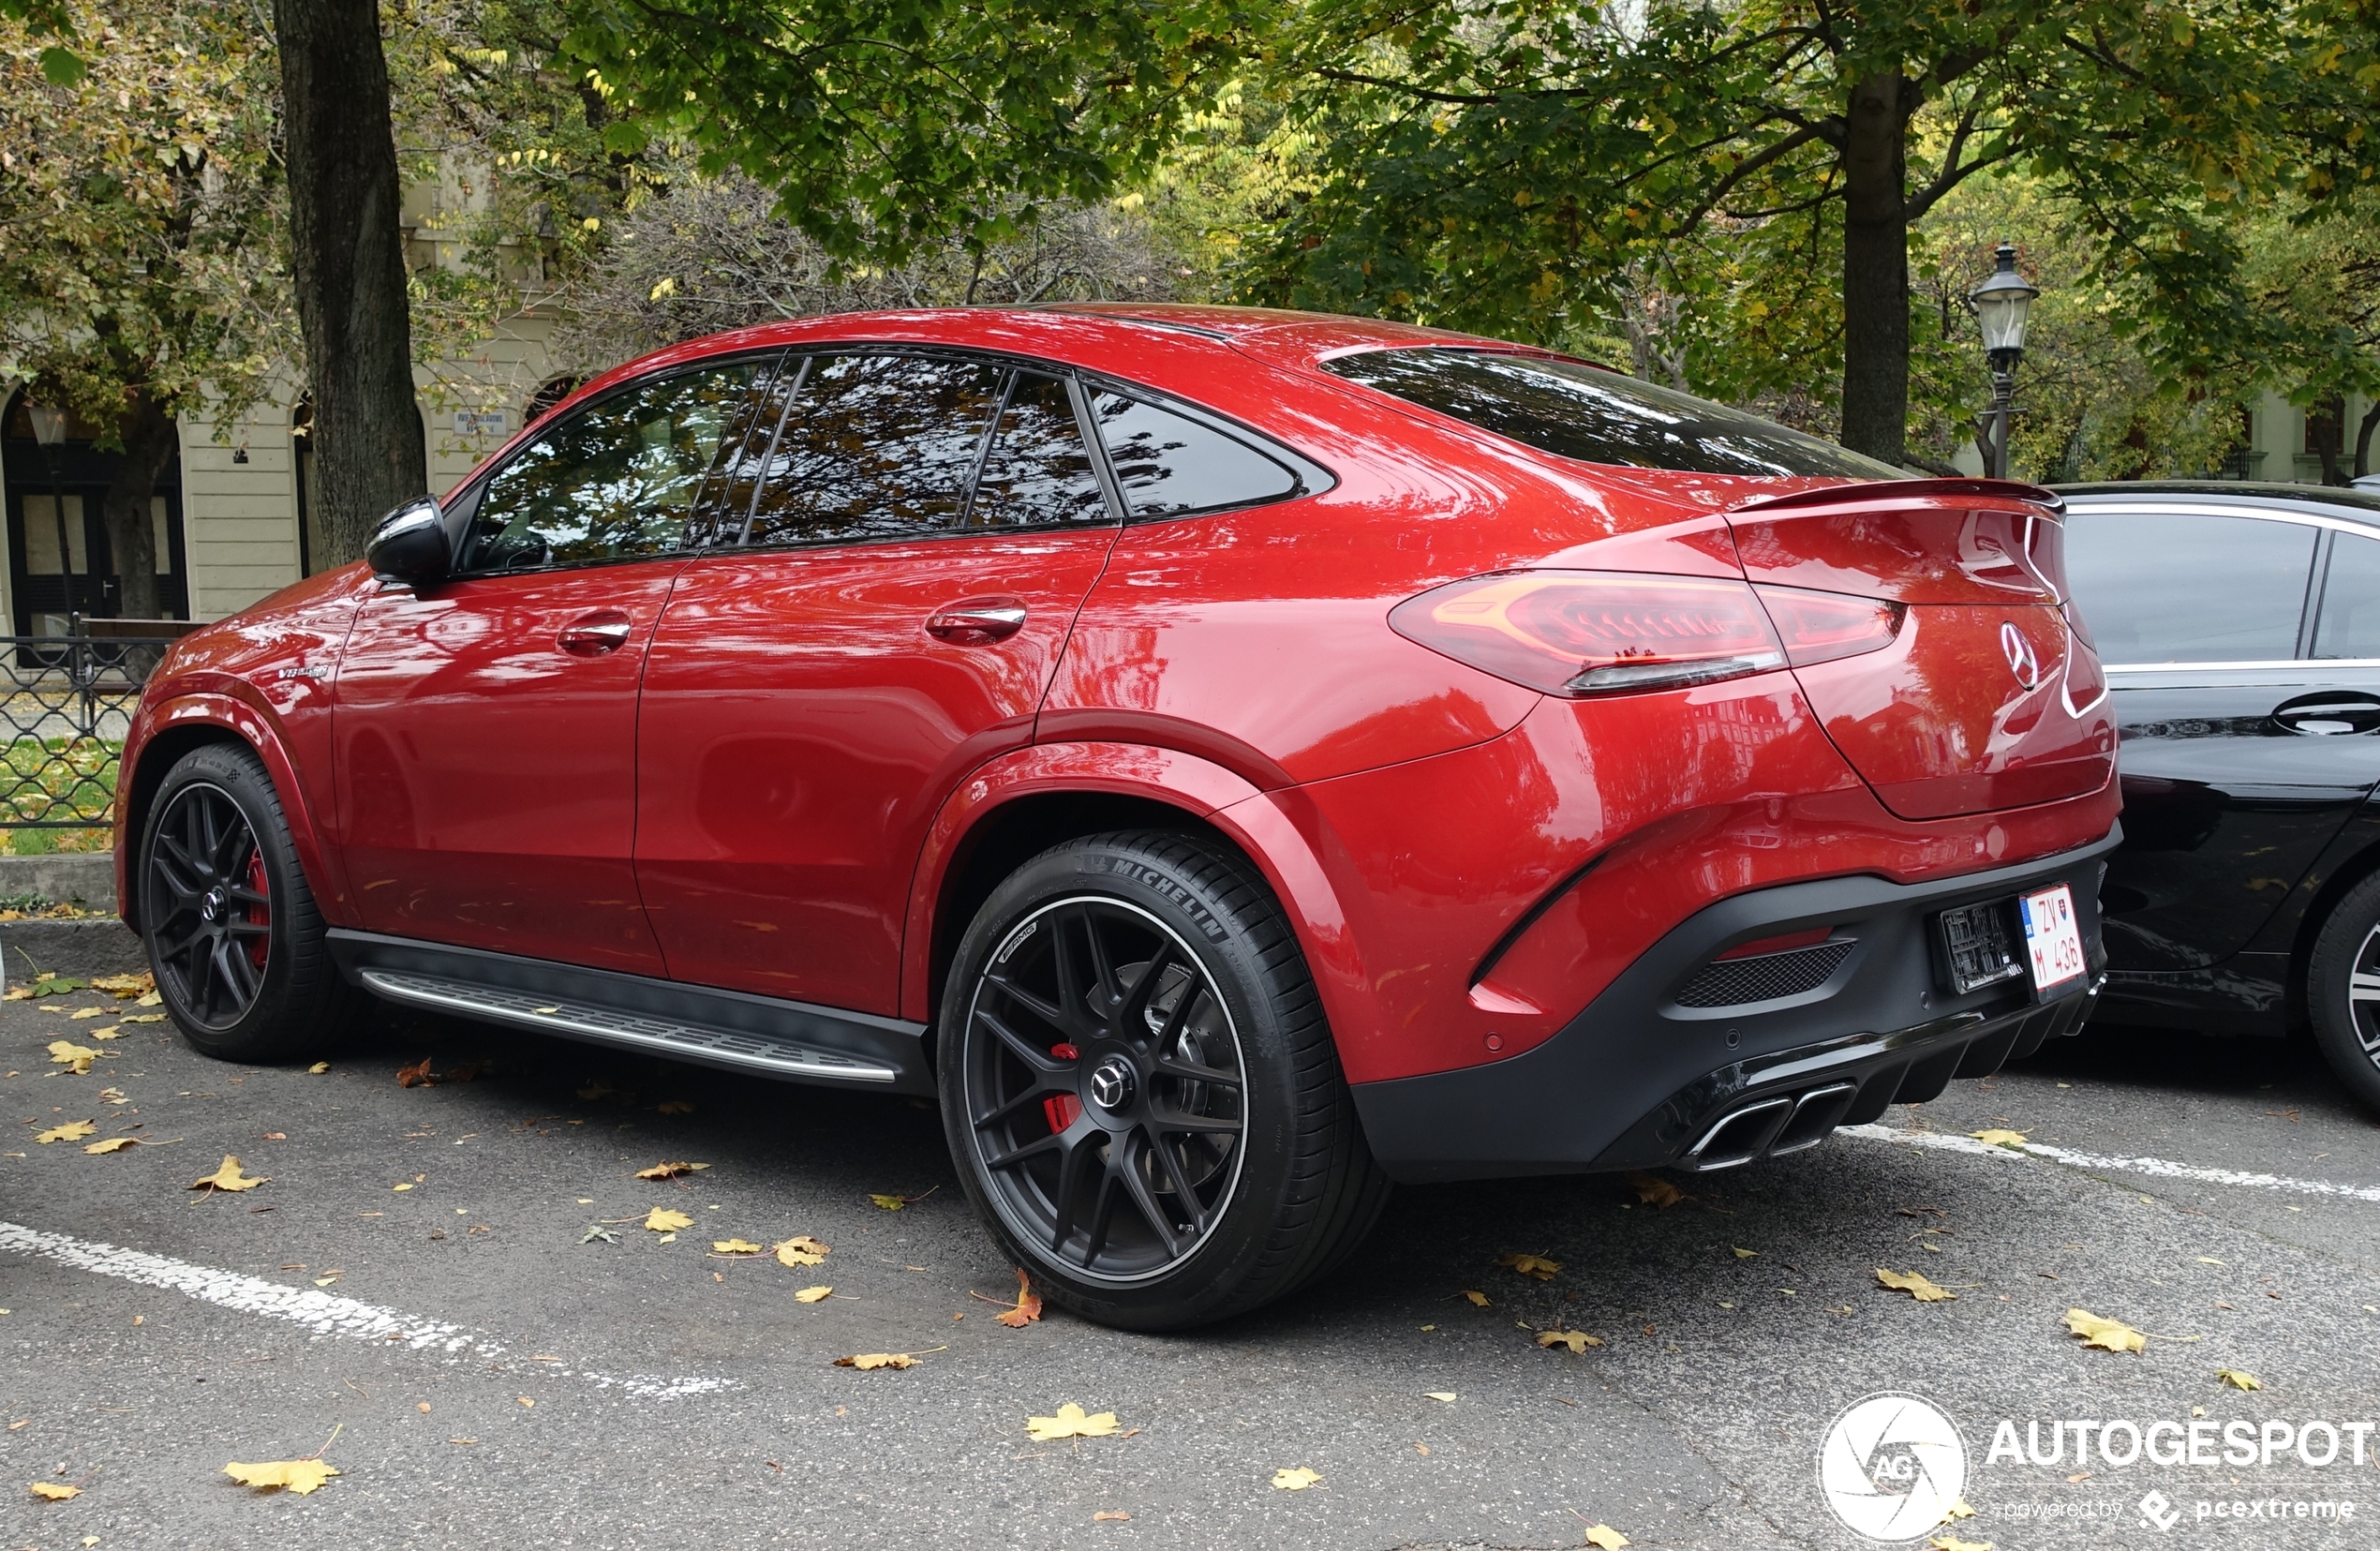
448, 1292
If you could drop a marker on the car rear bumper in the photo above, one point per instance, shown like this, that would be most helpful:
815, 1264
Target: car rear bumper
1641, 1079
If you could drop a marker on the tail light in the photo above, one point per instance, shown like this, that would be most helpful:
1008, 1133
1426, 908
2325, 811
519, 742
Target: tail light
1584, 632
1819, 627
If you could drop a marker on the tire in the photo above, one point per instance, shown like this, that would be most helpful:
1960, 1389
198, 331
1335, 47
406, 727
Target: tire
2348, 1029
233, 937
1191, 1046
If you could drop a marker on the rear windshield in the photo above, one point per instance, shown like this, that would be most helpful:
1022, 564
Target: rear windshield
1600, 416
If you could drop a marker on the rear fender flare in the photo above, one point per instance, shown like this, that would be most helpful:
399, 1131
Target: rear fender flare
1226, 801
226, 711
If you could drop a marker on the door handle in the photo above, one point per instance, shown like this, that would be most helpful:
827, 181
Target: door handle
2329, 714
977, 621
594, 635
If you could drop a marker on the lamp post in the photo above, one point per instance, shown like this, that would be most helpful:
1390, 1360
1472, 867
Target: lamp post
50, 428
1999, 304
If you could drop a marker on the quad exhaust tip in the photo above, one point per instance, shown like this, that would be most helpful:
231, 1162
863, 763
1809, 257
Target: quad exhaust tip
1785, 1124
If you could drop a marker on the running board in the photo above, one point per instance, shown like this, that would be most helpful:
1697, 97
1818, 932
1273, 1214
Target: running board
762, 1036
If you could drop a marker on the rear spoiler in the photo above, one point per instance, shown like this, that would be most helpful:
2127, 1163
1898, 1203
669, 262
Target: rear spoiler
1922, 489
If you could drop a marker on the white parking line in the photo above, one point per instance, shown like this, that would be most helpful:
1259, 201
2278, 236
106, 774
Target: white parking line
313, 1308
2159, 1168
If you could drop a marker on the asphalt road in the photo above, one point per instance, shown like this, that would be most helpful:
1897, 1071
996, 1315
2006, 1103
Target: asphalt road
495, 1376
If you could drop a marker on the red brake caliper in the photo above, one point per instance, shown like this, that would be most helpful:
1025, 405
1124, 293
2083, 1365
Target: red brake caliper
1063, 1109
260, 914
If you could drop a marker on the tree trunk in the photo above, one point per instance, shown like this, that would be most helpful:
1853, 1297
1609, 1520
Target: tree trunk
348, 254
2370, 422
1876, 267
132, 535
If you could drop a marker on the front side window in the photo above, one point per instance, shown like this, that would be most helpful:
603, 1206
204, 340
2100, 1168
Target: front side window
875, 447
2165, 588
1598, 416
618, 480
1170, 465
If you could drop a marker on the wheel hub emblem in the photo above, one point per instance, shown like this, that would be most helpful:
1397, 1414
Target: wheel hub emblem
210, 908
2022, 661
1112, 1083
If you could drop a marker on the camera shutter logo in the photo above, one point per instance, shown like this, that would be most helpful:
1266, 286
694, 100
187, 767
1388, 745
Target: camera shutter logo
1891, 1467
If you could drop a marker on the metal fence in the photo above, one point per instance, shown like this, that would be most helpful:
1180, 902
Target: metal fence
68, 700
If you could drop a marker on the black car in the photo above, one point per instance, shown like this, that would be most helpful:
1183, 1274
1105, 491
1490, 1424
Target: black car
2240, 629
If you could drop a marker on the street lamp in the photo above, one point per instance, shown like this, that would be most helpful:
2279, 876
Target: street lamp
50, 428
2000, 303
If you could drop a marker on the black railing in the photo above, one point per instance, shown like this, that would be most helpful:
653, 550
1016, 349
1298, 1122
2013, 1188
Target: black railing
66, 701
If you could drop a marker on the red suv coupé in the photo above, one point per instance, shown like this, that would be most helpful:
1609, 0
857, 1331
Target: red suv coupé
1234, 758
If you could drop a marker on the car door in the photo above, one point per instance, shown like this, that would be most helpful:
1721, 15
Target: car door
2245, 705
919, 540
485, 728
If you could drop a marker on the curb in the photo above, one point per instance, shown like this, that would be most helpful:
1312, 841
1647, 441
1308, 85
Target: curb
86, 878
97, 945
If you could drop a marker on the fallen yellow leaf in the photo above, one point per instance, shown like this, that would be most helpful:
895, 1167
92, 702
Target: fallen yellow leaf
1104, 1517
1577, 1340
735, 1246
1952, 1542
73, 1131
813, 1294
1295, 1481
110, 1032
1478, 1300
1743, 1254
296, 1475
227, 1177
55, 1492
1962, 1509
669, 1171
400, 1189
890, 1203
1604, 1538
77, 1058
151, 1000
2106, 1335
661, 1219
1070, 1422
1654, 1191
113, 1145
319, 1067
2000, 1136
144, 1017
18, 994
801, 1249
1916, 1285
878, 1360
79, 1014
2238, 1379
1533, 1265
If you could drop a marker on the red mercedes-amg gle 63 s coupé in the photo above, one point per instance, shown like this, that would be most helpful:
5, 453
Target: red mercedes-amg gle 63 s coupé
1233, 760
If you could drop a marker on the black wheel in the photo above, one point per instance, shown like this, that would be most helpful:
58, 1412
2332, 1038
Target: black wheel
233, 937
1140, 1090
2342, 990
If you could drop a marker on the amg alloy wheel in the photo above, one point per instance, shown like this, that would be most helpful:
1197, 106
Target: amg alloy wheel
2342, 990
233, 937
1140, 1090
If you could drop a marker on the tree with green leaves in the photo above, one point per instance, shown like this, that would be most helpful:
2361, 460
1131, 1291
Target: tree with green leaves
1505, 164
140, 274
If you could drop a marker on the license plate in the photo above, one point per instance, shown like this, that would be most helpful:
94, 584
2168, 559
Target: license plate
2053, 938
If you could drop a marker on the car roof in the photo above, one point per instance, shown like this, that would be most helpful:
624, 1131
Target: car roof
2317, 500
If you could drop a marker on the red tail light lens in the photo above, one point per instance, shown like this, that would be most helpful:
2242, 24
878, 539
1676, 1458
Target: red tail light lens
1819, 627
1586, 633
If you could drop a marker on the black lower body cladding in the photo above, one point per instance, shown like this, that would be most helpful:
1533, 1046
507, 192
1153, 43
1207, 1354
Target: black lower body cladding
1641, 1079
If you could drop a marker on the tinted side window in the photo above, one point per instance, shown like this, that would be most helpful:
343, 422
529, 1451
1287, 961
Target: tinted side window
617, 479
876, 446
1598, 416
1170, 465
2350, 625
1038, 469
2169, 589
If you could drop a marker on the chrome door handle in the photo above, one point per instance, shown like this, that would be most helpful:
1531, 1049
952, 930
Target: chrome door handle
977, 620
594, 635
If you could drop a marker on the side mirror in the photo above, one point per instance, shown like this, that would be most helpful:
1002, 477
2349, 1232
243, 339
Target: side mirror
410, 544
